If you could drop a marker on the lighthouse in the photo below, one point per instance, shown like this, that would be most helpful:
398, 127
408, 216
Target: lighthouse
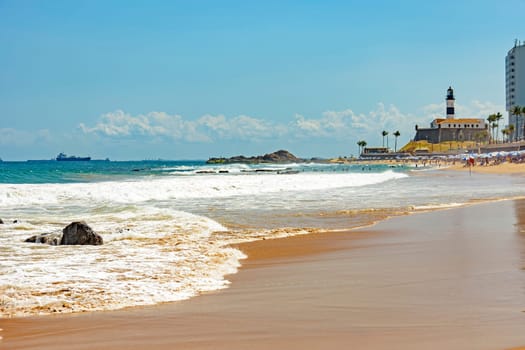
450, 103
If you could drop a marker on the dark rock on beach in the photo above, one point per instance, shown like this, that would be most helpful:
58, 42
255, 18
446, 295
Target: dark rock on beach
46, 238
281, 156
1, 221
76, 233
80, 233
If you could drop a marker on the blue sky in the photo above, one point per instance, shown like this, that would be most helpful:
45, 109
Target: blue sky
196, 79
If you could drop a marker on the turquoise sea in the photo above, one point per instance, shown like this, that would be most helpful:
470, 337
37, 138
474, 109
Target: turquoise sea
168, 226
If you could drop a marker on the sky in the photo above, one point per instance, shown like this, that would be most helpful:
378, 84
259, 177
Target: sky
132, 80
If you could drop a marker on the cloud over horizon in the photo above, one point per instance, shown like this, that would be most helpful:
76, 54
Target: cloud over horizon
338, 125
21, 138
330, 132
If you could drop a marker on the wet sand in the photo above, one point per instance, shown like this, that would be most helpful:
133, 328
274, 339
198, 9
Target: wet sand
450, 279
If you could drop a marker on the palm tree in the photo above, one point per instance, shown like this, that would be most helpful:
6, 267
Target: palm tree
396, 134
362, 145
385, 133
511, 132
359, 144
494, 126
523, 114
497, 118
505, 133
480, 136
516, 111
492, 119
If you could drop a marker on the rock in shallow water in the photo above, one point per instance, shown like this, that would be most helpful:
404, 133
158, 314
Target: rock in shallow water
79, 233
76, 233
46, 238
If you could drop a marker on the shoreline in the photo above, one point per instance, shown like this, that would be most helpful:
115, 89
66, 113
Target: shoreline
295, 292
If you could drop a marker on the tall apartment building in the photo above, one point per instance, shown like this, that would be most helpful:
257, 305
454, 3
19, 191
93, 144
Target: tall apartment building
515, 86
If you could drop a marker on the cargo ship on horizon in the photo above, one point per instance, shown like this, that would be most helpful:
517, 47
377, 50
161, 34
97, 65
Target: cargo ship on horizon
64, 157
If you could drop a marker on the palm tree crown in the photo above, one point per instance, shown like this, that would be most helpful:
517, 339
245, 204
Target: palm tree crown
384, 133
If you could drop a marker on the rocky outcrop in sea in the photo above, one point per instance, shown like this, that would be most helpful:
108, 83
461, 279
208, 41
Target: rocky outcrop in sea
280, 156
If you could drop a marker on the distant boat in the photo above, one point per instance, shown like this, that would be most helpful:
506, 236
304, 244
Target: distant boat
64, 157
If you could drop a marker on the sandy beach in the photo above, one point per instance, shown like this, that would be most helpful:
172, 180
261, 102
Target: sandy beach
262, 175
449, 279
505, 168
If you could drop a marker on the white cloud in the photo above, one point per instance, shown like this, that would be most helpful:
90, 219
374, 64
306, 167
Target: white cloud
204, 129
119, 123
344, 125
480, 109
242, 127
328, 132
19, 138
331, 123
347, 124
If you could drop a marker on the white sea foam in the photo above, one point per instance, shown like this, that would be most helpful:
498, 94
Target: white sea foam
149, 256
166, 236
437, 206
180, 187
153, 252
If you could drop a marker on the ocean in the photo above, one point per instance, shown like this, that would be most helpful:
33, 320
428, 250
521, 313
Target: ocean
168, 226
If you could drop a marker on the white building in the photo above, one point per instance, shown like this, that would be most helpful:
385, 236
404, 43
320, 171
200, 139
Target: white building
515, 86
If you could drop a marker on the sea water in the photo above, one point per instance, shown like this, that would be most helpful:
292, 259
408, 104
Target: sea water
168, 226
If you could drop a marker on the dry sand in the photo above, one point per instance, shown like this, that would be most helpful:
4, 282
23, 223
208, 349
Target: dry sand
451, 279
505, 168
